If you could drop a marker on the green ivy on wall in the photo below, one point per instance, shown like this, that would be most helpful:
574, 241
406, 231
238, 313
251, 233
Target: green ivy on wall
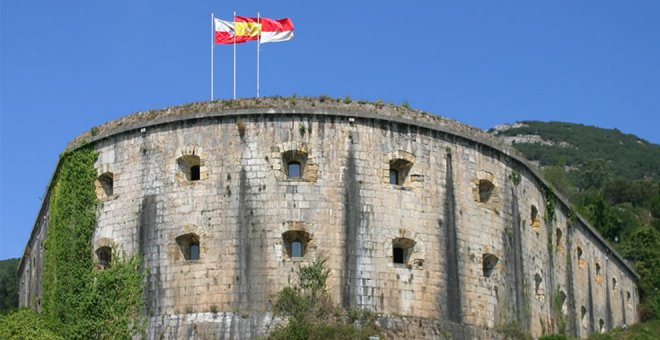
79, 302
550, 205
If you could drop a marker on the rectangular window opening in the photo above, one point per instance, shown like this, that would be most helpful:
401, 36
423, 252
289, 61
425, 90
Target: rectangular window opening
394, 176
194, 251
296, 249
293, 169
194, 173
397, 255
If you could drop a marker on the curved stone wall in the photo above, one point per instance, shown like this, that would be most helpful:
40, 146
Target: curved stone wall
418, 221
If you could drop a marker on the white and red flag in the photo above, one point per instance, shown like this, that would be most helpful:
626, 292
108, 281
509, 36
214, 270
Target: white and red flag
276, 30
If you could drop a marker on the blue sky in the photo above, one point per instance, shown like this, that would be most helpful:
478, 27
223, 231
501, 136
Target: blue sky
67, 66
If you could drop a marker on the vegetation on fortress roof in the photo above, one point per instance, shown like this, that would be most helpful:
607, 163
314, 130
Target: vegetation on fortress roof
299, 104
613, 180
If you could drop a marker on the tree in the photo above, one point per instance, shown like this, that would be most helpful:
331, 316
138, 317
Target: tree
8, 285
594, 174
643, 247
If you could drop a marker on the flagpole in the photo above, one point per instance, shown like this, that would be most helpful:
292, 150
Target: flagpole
212, 43
258, 48
234, 54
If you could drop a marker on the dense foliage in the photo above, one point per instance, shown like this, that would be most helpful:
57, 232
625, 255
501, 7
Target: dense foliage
613, 180
628, 155
68, 256
25, 324
311, 313
8, 285
79, 301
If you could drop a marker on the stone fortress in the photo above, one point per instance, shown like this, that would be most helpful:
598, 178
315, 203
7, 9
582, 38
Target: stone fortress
439, 228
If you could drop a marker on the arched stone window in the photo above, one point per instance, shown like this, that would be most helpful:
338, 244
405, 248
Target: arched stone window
190, 167
296, 243
534, 214
104, 257
486, 189
105, 186
558, 242
294, 162
399, 170
628, 297
583, 316
189, 246
562, 302
397, 167
535, 219
539, 289
598, 271
614, 283
601, 326
402, 248
580, 259
489, 263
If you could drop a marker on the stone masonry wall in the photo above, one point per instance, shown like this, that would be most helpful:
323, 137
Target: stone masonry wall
481, 258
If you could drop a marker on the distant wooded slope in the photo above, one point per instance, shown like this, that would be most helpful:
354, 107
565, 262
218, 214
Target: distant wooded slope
574, 145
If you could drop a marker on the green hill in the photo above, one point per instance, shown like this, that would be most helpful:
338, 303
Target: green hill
612, 179
574, 145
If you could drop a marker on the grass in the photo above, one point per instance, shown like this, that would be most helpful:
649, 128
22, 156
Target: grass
649, 330
639, 331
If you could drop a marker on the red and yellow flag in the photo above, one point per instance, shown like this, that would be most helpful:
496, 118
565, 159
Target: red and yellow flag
247, 28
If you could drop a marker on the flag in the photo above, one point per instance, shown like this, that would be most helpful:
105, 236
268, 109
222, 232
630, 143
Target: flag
276, 30
224, 33
247, 28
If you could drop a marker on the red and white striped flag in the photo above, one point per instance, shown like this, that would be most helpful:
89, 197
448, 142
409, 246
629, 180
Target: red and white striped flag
276, 30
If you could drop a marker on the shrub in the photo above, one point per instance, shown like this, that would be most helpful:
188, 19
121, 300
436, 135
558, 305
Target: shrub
554, 337
513, 331
311, 313
25, 324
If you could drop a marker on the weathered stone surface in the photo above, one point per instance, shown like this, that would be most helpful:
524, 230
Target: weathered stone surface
458, 204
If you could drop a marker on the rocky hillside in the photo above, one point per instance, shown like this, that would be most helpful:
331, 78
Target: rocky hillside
612, 179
